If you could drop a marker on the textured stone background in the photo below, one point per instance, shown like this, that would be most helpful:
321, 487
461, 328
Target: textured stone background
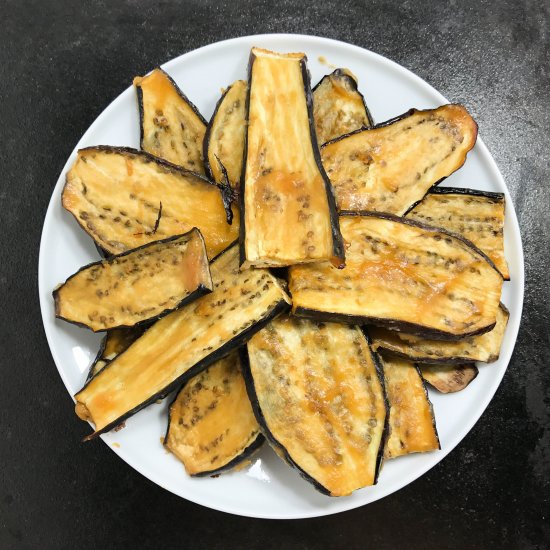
61, 65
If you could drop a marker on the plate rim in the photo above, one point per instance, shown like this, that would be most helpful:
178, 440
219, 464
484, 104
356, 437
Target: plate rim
512, 329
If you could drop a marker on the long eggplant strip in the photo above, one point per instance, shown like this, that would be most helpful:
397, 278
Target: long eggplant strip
338, 106
392, 166
476, 215
212, 427
484, 348
225, 136
171, 127
317, 396
125, 198
183, 343
403, 275
288, 213
136, 286
411, 420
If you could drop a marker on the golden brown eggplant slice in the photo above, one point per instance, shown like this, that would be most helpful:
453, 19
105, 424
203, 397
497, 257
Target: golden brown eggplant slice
225, 135
288, 214
113, 343
136, 286
402, 275
125, 198
448, 378
393, 165
411, 420
212, 427
484, 348
476, 215
317, 396
183, 343
338, 106
171, 126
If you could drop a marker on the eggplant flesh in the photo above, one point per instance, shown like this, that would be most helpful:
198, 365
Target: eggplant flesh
402, 275
317, 396
338, 106
225, 135
113, 344
183, 343
125, 198
448, 378
484, 348
411, 420
476, 215
288, 213
392, 166
212, 427
136, 286
171, 126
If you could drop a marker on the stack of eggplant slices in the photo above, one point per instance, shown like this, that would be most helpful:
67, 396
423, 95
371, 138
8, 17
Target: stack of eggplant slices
289, 268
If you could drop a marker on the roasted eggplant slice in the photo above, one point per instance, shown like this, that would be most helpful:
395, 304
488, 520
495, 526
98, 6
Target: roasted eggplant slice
136, 286
316, 393
183, 343
224, 139
288, 214
212, 427
114, 343
171, 126
484, 348
476, 215
338, 106
125, 198
402, 275
393, 165
411, 420
448, 378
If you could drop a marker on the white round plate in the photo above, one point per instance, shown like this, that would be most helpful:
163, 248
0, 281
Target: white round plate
267, 488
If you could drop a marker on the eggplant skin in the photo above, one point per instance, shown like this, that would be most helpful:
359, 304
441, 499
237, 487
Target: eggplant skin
172, 128
211, 425
147, 368
196, 276
338, 106
311, 284
317, 234
306, 385
476, 215
115, 193
225, 134
393, 165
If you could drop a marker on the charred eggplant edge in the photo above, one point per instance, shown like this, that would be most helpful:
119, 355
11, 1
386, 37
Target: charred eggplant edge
338, 249
201, 290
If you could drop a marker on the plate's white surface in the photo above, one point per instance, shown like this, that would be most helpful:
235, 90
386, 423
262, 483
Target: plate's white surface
267, 488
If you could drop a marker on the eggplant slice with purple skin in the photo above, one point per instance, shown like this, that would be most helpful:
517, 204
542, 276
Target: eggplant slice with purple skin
211, 427
113, 344
183, 343
484, 348
171, 127
402, 275
136, 286
288, 213
392, 166
476, 215
338, 106
317, 395
225, 136
125, 198
411, 419
448, 378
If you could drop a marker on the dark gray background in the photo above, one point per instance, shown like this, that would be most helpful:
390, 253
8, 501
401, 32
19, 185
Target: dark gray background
61, 64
